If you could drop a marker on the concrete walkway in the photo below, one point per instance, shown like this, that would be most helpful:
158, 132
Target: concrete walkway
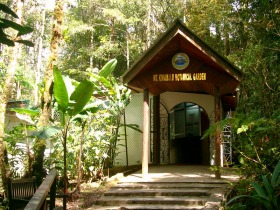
131, 191
180, 173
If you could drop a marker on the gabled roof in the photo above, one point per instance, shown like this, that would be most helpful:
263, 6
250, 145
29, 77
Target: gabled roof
203, 59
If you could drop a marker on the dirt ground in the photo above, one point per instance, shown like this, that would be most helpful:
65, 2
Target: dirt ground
91, 192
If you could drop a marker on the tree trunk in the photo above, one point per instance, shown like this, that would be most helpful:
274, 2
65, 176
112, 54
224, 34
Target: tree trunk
5, 97
39, 60
226, 44
18, 90
46, 99
148, 32
91, 48
78, 188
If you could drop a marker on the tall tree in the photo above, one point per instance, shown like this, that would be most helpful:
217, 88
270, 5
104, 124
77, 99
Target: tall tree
39, 58
46, 100
6, 95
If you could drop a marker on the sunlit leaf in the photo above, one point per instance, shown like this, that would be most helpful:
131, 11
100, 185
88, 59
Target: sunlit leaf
81, 96
60, 90
108, 68
243, 128
30, 112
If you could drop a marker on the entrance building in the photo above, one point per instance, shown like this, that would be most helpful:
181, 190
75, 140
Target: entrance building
186, 87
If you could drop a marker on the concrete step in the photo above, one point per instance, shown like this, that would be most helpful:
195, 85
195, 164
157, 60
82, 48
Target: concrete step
156, 192
164, 195
168, 185
149, 207
148, 200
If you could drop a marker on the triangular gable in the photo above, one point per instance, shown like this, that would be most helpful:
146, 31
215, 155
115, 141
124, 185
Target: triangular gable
154, 69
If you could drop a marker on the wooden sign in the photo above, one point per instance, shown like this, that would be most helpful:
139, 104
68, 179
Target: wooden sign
179, 77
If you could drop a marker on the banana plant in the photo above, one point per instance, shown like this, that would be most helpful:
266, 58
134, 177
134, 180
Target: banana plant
115, 97
73, 104
69, 105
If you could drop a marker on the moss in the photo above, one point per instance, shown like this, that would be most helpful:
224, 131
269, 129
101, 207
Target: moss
37, 168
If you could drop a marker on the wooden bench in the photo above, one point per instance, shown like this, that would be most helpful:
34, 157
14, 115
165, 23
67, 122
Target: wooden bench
20, 192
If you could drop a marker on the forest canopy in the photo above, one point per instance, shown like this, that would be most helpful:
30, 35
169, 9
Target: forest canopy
97, 41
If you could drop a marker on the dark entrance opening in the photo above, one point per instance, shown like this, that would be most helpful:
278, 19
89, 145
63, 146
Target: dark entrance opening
188, 122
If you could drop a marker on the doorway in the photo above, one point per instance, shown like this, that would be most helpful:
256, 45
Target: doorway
188, 122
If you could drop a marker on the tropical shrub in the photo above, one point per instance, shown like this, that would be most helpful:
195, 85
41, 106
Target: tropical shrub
264, 194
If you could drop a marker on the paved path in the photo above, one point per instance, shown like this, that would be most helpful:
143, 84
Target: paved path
179, 173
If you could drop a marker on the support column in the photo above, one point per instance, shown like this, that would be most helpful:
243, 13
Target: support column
156, 129
145, 151
217, 101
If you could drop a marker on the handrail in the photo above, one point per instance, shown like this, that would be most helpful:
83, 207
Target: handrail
38, 201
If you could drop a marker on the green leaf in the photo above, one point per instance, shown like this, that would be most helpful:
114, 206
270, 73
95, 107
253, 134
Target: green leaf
22, 30
60, 90
81, 96
29, 112
47, 133
108, 68
275, 179
7, 10
3, 26
243, 128
259, 190
267, 186
26, 42
235, 198
7, 42
79, 117
69, 85
103, 80
91, 108
25, 30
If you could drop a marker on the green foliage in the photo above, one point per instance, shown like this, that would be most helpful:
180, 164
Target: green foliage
266, 194
258, 145
96, 125
19, 145
96, 31
21, 30
46, 133
256, 152
117, 30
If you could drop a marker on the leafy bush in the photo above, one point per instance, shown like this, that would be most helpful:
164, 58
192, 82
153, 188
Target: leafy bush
265, 194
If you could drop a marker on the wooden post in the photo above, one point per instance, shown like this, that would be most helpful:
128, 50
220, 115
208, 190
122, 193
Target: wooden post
156, 130
145, 151
52, 195
217, 101
125, 138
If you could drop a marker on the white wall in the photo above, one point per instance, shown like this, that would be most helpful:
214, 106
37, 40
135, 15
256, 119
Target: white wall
134, 115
